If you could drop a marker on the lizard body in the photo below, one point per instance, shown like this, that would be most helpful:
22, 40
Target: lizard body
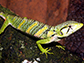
38, 29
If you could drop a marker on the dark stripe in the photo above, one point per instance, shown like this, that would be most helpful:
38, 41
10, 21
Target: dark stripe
40, 26
22, 27
40, 31
45, 32
29, 23
34, 26
17, 21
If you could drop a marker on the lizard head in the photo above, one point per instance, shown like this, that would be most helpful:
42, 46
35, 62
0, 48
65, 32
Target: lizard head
67, 28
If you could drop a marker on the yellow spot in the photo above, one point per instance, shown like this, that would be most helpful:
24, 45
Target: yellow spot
21, 24
50, 33
28, 30
41, 31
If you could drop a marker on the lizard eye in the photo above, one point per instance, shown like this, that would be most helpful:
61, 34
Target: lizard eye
53, 30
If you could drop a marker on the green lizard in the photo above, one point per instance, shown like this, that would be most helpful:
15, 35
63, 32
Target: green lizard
47, 33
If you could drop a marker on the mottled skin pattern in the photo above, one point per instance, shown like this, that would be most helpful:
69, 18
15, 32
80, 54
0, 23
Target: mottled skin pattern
40, 30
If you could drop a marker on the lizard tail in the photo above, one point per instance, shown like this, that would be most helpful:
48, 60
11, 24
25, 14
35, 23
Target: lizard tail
5, 24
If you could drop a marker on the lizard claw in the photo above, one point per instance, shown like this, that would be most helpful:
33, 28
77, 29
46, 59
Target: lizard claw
46, 51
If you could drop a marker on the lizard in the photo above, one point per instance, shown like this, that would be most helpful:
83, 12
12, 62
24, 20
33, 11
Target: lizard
35, 28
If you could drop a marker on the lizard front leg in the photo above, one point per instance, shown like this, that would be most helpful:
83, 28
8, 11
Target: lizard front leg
45, 41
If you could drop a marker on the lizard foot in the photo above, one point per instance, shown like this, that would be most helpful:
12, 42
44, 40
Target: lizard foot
46, 51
